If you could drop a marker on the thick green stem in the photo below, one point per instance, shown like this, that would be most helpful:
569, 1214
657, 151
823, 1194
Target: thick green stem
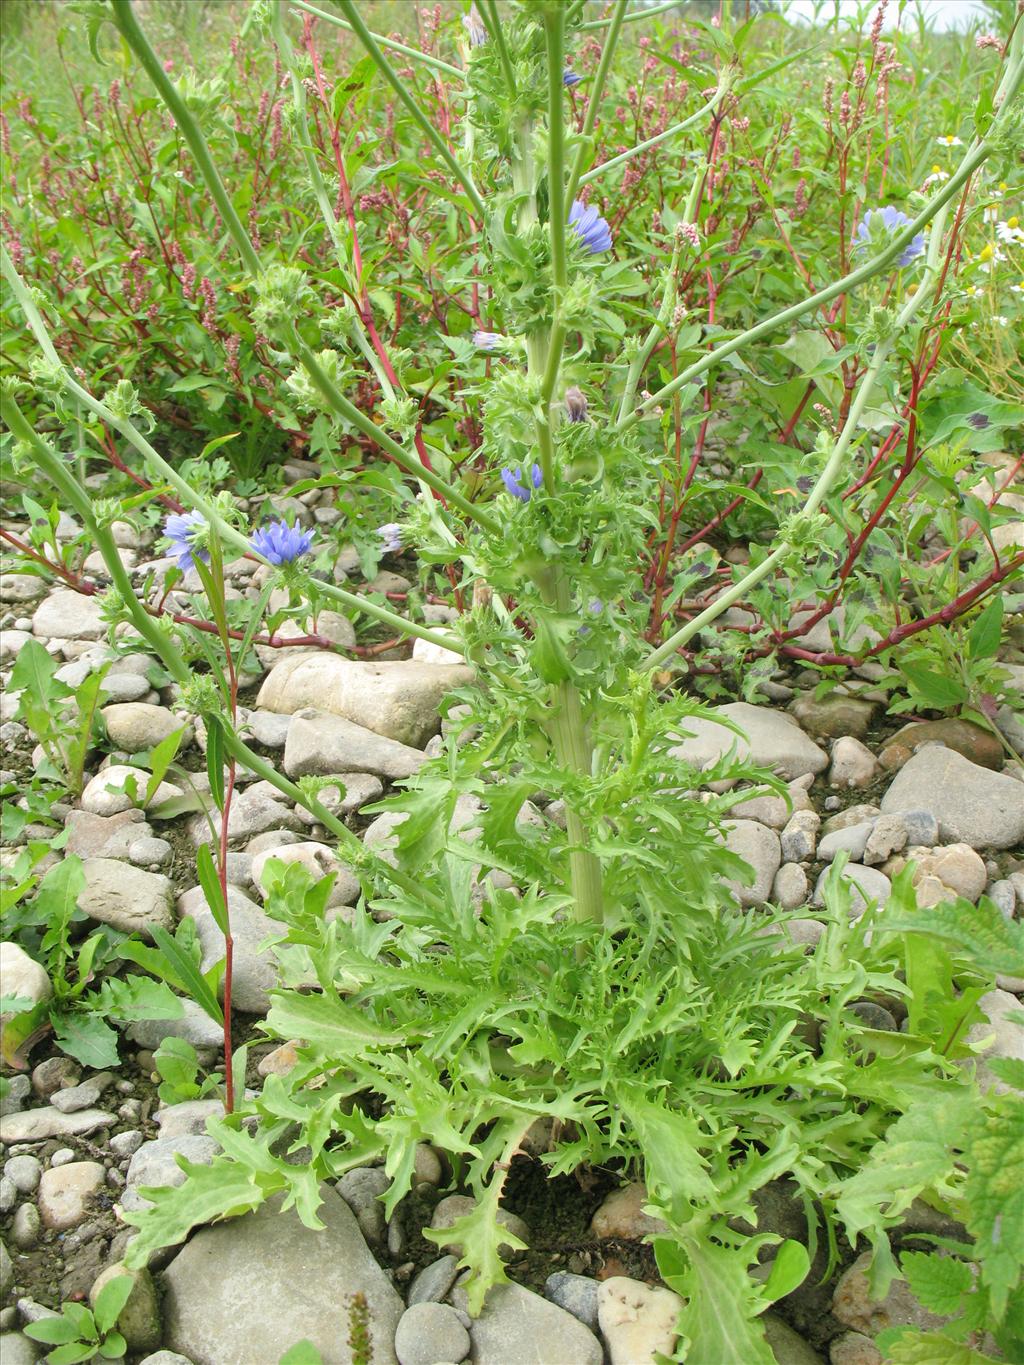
567, 726
401, 90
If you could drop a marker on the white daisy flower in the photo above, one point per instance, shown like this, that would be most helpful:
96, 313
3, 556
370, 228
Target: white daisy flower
948, 140
1018, 288
935, 178
1003, 322
989, 257
1010, 231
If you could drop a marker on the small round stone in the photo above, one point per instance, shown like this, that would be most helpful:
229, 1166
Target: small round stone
429, 1332
62, 1156
25, 1227
23, 1172
126, 1144
56, 1073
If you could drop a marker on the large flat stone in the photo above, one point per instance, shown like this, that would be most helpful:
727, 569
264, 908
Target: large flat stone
400, 699
518, 1327
319, 743
254, 972
972, 805
126, 897
36, 1125
245, 1291
772, 740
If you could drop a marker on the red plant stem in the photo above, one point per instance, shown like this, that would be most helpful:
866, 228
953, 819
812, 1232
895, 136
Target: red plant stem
71, 579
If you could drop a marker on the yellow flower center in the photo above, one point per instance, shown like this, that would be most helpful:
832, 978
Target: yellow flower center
1013, 222
985, 254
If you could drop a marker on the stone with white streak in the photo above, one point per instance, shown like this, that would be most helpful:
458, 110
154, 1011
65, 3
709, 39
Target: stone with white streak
126, 897
972, 804
321, 744
769, 738
636, 1320
400, 698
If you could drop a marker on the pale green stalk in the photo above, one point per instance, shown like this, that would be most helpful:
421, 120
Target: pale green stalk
426, 127
162, 471
975, 157
567, 727
632, 18
833, 465
724, 86
594, 102
659, 328
412, 53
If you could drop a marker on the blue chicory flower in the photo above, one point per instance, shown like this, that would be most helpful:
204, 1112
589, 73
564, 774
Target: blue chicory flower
487, 341
590, 228
886, 221
391, 534
570, 78
183, 529
281, 543
512, 479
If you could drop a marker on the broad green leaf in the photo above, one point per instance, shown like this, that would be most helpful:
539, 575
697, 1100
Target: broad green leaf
986, 633
721, 1302
676, 1171
789, 1270
52, 1331
212, 889
21, 1033
87, 1038
994, 1196
302, 1353
929, 1348
56, 901
980, 933
110, 1301
916, 1155
937, 690
939, 1282
33, 675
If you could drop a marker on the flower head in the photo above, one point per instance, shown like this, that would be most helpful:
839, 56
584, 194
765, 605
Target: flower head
948, 140
570, 78
281, 543
512, 479
184, 530
590, 228
883, 222
391, 534
936, 177
1010, 231
487, 341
